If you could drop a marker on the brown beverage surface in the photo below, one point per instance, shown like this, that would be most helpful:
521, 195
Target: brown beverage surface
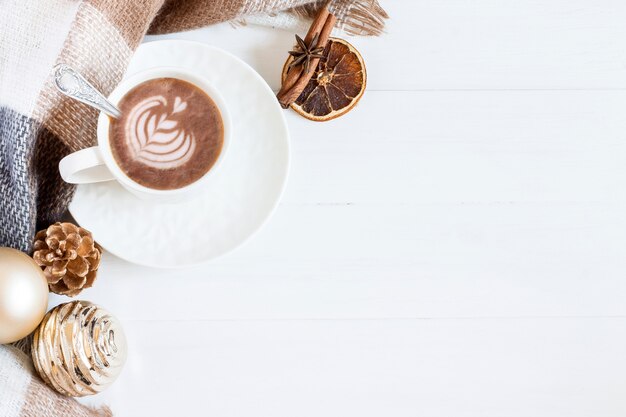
170, 134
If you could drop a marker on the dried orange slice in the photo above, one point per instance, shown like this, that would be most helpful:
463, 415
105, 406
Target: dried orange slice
337, 84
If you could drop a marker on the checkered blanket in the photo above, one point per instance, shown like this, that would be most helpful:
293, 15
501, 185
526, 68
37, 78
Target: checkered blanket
23, 394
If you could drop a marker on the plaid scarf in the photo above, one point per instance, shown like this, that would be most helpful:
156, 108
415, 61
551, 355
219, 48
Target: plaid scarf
38, 126
23, 394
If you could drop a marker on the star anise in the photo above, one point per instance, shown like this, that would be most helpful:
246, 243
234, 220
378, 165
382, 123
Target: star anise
306, 52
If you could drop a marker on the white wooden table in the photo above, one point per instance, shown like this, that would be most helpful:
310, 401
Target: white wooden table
454, 246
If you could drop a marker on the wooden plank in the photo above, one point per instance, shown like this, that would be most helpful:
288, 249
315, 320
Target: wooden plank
460, 44
427, 368
463, 147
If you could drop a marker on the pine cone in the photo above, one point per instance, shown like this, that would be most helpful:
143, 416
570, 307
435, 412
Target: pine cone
68, 256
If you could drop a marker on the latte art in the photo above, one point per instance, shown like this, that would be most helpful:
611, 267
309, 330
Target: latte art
156, 139
170, 134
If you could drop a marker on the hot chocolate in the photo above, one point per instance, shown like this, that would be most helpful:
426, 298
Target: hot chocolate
169, 136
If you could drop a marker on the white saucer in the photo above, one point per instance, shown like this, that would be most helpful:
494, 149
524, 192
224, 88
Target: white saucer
238, 201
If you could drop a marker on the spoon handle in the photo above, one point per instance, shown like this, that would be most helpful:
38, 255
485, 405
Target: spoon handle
74, 85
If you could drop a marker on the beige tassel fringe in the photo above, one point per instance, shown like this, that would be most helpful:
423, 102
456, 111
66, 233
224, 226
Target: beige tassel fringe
355, 17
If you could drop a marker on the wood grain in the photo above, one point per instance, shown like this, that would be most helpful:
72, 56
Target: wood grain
434, 368
460, 44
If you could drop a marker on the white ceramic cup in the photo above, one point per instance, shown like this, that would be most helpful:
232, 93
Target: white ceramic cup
97, 164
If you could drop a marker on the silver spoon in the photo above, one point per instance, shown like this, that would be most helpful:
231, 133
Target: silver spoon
74, 85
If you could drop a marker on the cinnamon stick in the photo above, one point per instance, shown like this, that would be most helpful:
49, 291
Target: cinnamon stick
296, 78
316, 26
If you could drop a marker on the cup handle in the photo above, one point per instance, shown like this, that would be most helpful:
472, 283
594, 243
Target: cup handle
84, 166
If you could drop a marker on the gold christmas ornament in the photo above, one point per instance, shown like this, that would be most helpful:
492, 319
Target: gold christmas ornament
68, 256
23, 295
79, 349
